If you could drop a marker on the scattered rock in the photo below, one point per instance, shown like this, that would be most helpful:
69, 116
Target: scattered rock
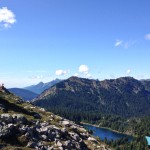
56, 133
37, 116
65, 123
92, 139
42, 109
59, 144
19, 118
32, 144
6, 118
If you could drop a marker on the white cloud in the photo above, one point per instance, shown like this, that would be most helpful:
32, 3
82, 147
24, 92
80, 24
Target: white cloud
118, 43
147, 37
61, 72
83, 69
128, 71
76, 75
7, 17
88, 75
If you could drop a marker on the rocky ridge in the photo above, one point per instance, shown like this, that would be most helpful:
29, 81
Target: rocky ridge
25, 127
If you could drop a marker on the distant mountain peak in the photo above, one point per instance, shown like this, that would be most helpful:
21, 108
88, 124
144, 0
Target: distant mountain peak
74, 78
41, 82
40, 87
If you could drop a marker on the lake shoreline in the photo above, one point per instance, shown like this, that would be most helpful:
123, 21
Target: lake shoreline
103, 132
104, 128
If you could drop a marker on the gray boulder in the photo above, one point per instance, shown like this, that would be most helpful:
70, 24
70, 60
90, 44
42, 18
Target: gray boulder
6, 118
92, 139
5, 132
23, 129
32, 144
19, 118
44, 137
58, 143
74, 136
50, 148
51, 135
37, 116
68, 144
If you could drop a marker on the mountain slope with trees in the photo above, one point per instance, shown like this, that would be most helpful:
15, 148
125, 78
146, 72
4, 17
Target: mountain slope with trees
125, 96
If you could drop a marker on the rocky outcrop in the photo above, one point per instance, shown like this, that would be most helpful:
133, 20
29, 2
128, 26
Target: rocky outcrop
45, 135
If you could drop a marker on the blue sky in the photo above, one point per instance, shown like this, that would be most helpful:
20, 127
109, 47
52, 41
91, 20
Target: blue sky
43, 40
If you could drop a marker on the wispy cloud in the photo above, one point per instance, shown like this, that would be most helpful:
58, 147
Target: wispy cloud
118, 43
147, 37
7, 17
89, 75
61, 72
36, 77
128, 71
124, 44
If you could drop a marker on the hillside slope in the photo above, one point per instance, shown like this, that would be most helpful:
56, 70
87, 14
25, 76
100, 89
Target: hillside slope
24, 94
26, 127
124, 96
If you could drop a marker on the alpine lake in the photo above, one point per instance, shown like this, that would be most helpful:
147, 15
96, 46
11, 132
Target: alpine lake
104, 133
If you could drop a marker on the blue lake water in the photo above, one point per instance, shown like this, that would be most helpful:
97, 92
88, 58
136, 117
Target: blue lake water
106, 133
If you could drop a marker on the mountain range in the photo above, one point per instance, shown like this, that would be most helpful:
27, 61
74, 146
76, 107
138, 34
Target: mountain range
31, 92
40, 87
125, 96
